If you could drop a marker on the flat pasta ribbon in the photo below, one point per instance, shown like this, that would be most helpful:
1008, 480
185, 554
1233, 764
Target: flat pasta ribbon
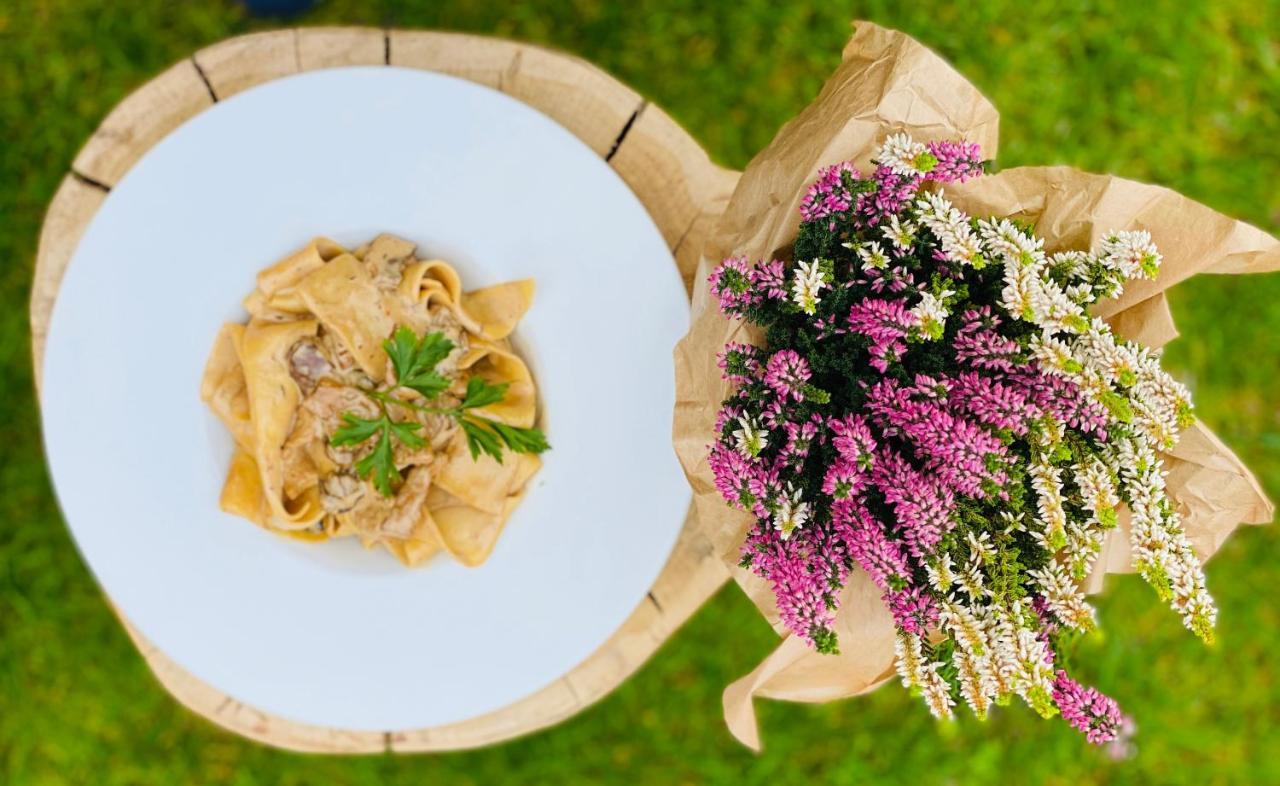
280, 383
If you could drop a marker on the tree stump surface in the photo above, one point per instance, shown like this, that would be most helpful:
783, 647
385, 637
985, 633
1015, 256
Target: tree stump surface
668, 171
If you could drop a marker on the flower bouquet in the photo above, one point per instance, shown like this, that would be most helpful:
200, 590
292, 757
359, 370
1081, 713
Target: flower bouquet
942, 415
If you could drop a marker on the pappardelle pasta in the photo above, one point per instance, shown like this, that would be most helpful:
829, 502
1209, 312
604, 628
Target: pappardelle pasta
369, 396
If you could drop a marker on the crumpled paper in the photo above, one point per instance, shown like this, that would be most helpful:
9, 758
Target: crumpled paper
886, 83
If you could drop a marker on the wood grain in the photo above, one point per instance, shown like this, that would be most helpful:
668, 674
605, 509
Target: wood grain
74, 205
240, 63
137, 123
330, 47
678, 184
594, 106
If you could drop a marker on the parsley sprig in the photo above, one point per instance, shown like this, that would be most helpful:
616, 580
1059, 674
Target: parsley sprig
415, 360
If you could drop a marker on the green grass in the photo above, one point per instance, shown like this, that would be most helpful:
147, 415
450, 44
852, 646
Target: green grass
1182, 94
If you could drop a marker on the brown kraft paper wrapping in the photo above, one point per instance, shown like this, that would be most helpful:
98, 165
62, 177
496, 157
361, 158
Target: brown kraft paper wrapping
888, 82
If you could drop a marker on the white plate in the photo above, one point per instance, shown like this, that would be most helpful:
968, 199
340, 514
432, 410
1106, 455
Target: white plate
329, 634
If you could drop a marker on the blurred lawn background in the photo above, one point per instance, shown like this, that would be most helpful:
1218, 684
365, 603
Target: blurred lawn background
1182, 94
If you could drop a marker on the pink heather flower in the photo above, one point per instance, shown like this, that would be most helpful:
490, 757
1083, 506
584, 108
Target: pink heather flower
828, 193
913, 610
1063, 399
979, 345
764, 486
893, 280
733, 473
775, 413
956, 450
853, 439
800, 437
806, 571
740, 363
885, 322
893, 193
924, 507
1089, 711
770, 279
731, 285
871, 548
1048, 624
884, 353
727, 415
828, 326
845, 479
957, 161
993, 403
786, 374
987, 350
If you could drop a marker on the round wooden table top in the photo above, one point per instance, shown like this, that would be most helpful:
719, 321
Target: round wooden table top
672, 176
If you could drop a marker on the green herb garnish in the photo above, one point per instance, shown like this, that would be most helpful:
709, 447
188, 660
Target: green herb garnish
414, 360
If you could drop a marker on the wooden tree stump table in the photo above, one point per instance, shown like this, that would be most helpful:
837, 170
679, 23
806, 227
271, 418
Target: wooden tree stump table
682, 189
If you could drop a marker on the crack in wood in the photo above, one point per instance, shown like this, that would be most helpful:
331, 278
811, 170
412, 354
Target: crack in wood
297, 51
512, 70
654, 600
88, 181
204, 78
626, 129
568, 683
386, 46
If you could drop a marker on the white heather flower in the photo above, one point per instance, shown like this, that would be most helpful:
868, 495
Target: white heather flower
1053, 355
980, 546
1018, 296
941, 574
1002, 661
931, 313
1161, 552
751, 437
910, 659
806, 285
1046, 480
873, 256
1063, 597
902, 234
976, 683
1054, 309
936, 692
904, 155
1097, 488
1132, 254
1093, 386
1031, 669
956, 238
1084, 544
1098, 349
963, 626
971, 581
1012, 522
1049, 433
1161, 404
1080, 293
1073, 264
1011, 245
792, 513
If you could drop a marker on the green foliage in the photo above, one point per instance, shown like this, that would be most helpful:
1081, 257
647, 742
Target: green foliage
490, 436
415, 359
1185, 94
379, 462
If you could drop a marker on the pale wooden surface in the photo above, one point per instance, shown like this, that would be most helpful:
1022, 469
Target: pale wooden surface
682, 189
